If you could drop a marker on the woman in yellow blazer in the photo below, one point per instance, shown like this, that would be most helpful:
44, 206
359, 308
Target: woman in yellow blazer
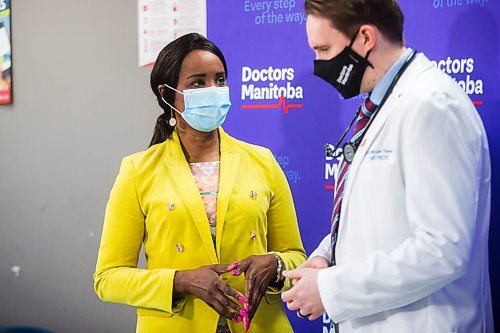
215, 214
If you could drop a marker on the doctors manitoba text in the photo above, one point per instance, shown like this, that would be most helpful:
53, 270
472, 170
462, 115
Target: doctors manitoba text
278, 82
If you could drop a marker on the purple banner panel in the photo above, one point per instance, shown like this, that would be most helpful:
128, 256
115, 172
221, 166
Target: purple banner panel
278, 103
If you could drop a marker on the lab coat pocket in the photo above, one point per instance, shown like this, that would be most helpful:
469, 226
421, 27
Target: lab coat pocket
381, 183
376, 178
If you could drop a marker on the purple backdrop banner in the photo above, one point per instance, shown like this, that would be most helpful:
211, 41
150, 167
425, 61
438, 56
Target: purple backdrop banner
278, 103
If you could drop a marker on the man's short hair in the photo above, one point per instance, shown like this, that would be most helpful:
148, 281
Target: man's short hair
348, 15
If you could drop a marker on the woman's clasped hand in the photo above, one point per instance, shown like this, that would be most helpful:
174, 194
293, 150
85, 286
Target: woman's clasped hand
206, 283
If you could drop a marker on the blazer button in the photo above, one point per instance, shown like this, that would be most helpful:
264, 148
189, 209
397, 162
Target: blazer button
170, 206
253, 235
253, 195
179, 247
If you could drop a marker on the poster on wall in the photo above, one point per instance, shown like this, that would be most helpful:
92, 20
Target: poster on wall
162, 21
5, 53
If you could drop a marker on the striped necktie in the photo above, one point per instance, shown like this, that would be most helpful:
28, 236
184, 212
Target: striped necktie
364, 113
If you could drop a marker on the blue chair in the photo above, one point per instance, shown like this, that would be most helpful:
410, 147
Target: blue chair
23, 329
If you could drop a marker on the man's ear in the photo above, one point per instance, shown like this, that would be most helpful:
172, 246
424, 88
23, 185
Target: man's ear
368, 35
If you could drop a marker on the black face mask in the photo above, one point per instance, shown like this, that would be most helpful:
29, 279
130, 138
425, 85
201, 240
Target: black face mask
344, 71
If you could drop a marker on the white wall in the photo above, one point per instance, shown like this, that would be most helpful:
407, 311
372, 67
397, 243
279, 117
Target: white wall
81, 103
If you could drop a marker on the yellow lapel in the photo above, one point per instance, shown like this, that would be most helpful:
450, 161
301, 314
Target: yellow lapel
229, 166
186, 187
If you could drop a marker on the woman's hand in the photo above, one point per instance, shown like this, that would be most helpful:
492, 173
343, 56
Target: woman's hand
206, 284
260, 271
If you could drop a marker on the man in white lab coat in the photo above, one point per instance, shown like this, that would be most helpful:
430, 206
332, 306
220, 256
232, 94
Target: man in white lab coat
408, 251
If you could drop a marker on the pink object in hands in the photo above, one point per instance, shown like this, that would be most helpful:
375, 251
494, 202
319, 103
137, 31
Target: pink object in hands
246, 323
235, 272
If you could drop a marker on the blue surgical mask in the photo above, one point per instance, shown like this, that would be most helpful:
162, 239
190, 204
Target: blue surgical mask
205, 109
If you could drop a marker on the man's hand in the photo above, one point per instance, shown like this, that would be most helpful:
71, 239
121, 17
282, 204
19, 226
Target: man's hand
317, 262
304, 296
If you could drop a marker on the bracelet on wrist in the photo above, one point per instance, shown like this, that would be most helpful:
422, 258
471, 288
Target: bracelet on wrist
280, 266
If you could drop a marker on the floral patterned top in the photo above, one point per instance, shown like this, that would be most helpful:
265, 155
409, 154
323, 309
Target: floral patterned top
206, 177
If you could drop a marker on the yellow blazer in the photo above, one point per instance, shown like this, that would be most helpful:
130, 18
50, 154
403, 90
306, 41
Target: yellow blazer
156, 201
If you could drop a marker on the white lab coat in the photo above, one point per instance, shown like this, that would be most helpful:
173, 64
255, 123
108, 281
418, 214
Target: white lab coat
412, 251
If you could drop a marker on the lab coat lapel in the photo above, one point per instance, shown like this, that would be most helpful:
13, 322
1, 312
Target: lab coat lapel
360, 154
188, 191
420, 64
229, 167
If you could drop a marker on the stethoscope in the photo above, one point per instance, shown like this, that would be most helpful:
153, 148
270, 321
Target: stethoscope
350, 147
